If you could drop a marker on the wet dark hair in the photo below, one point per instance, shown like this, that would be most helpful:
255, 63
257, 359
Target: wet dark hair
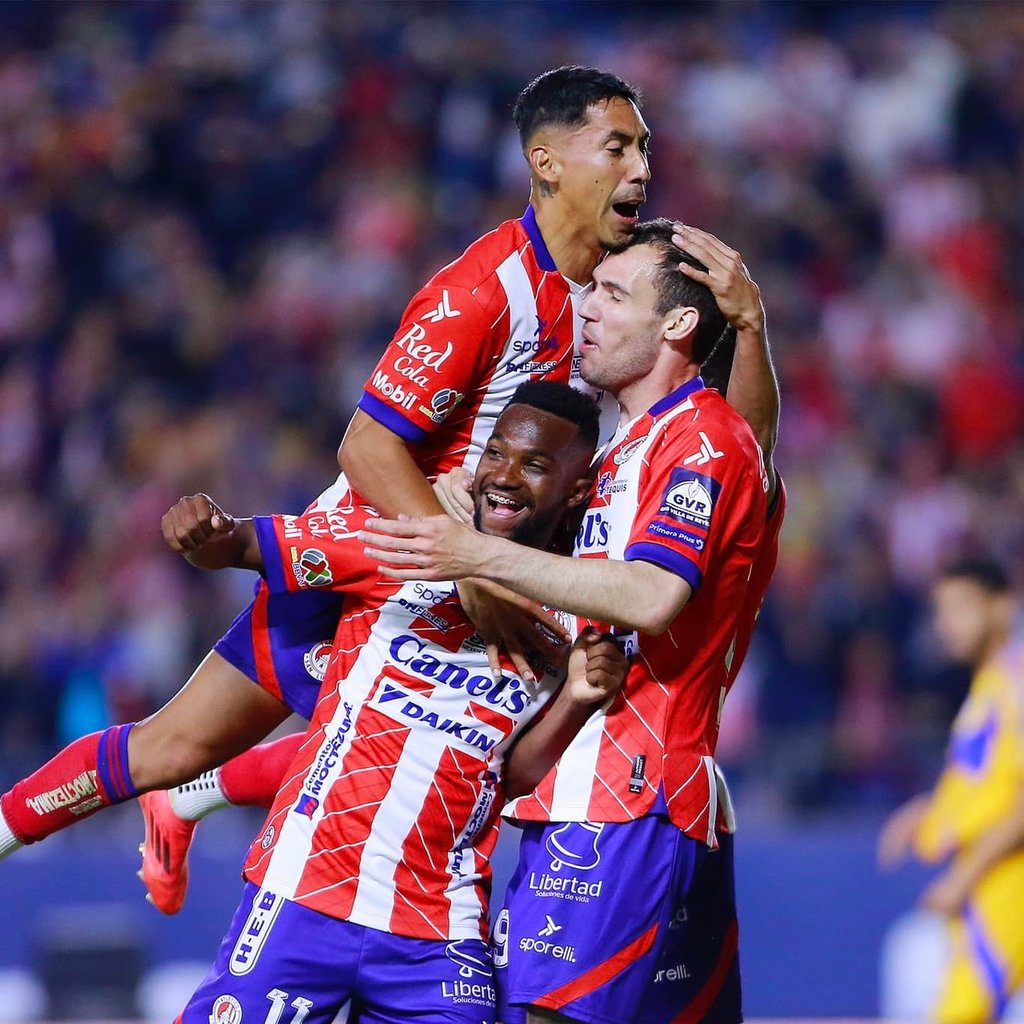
563, 401
561, 96
675, 289
987, 574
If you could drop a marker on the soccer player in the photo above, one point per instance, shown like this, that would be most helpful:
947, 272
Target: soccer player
674, 552
368, 886
974, 817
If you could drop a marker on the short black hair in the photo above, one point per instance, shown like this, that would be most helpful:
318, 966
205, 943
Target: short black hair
985, 572
561, 96
676, 289
563, 401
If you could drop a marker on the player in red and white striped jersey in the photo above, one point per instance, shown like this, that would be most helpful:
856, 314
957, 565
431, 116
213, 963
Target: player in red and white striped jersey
389, 811
667, 553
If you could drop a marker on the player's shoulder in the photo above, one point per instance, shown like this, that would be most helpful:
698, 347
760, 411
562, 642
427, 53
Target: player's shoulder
709, 420
476, 270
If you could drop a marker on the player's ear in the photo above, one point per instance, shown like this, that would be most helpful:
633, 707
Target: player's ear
582, 489
679, 324
544, 163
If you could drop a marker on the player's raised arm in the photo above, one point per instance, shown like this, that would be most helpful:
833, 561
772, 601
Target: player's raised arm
753, 388
209, 537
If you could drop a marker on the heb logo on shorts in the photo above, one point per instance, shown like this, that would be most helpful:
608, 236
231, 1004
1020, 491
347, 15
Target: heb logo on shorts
472, 958
573, 845
265, 908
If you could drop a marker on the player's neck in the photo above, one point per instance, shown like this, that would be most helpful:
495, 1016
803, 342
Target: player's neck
997, 640
636, 398
575, 251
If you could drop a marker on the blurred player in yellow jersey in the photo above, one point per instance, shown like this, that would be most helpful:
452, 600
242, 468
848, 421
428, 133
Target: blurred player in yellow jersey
974, 817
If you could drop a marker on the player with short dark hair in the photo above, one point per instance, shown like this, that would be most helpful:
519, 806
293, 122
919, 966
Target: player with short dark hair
675, 553
974, 816
368, 886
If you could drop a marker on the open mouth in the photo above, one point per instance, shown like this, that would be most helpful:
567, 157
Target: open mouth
501, 506
627, 211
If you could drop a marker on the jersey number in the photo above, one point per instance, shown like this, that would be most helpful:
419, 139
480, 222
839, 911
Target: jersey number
279, 999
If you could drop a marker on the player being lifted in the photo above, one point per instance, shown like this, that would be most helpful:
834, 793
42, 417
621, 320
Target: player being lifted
675, 552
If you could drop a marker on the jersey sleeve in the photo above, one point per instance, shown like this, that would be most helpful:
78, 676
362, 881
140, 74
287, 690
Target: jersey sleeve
318, 550
687, 511
437, 357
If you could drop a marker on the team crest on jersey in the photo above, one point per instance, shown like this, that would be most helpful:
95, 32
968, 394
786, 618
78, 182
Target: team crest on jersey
226, 1010
268, 837
690, 498
311, 568
627, 451
441, 404
316, 659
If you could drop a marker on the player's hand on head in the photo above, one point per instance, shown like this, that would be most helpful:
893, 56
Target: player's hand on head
454, 492
193, 521
738, 297
597, 667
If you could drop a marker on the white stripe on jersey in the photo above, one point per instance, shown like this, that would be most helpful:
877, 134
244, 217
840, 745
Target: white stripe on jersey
408, 792
571, 794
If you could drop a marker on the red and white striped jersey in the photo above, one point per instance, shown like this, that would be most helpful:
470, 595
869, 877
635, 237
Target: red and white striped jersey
683, 487
388, 815
499, 315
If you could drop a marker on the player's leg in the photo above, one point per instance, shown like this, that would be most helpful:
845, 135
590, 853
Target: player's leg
579, 937
279, 961
278, 642
217, 713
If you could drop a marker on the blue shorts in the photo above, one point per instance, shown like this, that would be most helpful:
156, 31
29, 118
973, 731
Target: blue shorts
631, 923
283, 643
284, 959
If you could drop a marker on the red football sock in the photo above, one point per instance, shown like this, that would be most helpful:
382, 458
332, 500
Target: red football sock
252, 779
87, 775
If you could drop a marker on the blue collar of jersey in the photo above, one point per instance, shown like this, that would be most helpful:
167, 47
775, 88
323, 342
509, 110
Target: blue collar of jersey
529, 222
680, 394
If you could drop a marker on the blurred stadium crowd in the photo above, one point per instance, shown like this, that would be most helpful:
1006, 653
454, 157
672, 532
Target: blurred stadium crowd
213, 213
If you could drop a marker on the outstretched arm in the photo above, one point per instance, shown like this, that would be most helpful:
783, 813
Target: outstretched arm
208, 537
634, 595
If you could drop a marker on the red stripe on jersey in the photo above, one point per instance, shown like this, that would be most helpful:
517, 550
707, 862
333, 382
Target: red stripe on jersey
423, 873
266, 674
600, 975
332, 871
705, 998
